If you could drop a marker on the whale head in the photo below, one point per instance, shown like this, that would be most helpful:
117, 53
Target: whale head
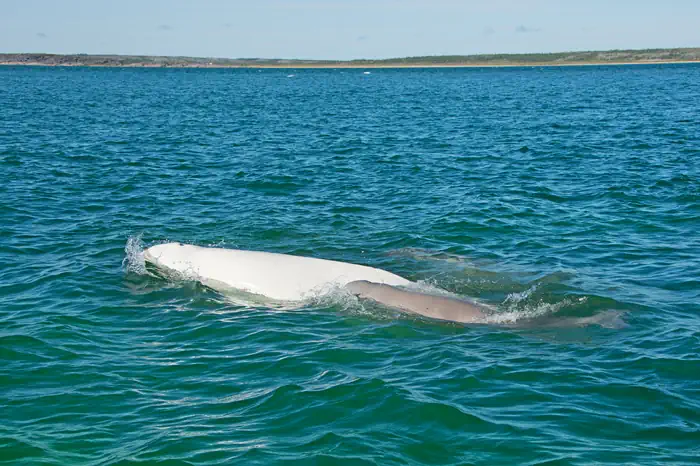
173, 256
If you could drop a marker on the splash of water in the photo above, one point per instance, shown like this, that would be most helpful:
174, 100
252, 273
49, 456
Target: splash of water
134, 261
529, 311
514, 299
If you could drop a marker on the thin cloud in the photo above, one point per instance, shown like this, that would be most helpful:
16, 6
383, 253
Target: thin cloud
42, 35
525, 30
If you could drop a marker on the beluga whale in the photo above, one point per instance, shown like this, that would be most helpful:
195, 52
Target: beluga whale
280, 277
289, 278
416, 302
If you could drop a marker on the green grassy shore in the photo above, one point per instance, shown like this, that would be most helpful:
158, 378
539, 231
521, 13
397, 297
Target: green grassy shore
647, 56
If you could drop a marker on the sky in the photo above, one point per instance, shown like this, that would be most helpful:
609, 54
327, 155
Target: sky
343, 29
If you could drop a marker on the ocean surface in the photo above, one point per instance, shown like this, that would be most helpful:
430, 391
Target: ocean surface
543, 192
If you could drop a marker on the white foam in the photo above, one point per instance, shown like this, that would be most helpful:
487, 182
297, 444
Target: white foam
515, 298
134, 261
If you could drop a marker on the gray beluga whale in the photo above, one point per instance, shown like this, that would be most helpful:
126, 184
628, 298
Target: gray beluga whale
467, 312
435, 307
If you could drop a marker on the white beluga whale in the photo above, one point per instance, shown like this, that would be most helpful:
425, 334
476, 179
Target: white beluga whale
277, 276
289, 278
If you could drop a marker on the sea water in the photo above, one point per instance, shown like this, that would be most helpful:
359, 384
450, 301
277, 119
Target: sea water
561, 192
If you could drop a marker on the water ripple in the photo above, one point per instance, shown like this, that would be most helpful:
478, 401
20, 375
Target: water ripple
537, 191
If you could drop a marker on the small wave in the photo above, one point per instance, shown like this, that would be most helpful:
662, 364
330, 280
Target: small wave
515, 297
530, 311
529, 305
334, 296
429, 255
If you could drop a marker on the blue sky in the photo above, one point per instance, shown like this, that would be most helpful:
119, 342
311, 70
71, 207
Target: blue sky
343, 29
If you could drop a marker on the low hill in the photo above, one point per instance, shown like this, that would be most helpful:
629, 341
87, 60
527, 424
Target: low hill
559, 58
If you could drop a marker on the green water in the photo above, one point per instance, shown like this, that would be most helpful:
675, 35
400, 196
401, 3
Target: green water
540, 191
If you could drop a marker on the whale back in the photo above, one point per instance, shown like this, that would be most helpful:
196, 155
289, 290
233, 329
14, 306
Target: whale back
278, 276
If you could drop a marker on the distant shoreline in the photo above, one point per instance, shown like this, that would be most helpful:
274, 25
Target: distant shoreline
594, 58
350, 67
326, 67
